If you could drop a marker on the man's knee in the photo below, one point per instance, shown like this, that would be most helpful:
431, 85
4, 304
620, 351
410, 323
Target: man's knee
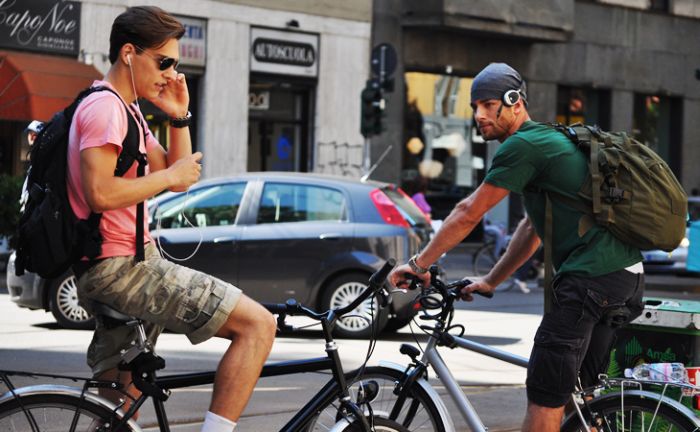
251, 320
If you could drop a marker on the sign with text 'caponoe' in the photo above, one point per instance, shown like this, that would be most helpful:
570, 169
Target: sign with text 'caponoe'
50, 26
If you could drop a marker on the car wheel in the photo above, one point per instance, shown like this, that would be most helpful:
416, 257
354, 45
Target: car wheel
341, 291
64, 305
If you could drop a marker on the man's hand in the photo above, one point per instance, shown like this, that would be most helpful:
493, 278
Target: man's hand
480, 286
175, 98
399, 279
185, 172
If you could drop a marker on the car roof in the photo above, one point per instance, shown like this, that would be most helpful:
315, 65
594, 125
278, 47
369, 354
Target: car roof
291, 176
328, 179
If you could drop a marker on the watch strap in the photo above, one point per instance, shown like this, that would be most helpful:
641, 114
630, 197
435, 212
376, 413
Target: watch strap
181, 122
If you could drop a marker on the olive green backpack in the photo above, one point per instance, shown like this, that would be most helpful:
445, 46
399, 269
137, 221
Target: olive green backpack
630, 190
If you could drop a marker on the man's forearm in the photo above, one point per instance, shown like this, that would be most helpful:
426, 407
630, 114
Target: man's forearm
119, 192
454, 229
180, 144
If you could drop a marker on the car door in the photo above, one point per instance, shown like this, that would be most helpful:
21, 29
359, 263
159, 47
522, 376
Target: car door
299, 230
198, 229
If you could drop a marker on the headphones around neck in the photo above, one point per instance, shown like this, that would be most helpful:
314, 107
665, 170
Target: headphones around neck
511, 97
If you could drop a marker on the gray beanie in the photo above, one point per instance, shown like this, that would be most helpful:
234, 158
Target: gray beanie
496, 79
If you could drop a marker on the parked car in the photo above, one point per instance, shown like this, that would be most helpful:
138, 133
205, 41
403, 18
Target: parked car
276, 236
658, 261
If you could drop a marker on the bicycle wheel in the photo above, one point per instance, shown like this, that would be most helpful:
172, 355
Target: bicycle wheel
55, 413
642, 412
418, 413
484, 260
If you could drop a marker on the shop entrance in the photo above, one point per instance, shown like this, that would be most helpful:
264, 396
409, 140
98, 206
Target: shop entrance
279, 126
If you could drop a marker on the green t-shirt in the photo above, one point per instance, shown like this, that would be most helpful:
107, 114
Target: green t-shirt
538, 158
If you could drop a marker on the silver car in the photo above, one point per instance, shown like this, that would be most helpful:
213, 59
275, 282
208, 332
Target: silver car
276, 235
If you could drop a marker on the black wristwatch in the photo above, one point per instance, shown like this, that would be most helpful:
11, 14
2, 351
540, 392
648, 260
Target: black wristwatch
181, 122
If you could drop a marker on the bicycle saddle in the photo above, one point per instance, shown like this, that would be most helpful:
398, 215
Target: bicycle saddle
111, 313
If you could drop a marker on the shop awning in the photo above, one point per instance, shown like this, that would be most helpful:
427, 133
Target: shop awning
35, 86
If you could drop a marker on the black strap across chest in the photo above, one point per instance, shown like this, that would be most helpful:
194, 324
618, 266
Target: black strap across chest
129, 154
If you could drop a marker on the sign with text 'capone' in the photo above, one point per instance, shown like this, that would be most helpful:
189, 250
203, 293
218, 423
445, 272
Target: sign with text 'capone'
50, 26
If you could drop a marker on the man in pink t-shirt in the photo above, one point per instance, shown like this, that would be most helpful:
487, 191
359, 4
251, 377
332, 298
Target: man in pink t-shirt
143, 52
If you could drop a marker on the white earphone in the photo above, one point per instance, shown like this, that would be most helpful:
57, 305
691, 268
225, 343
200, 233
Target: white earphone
128, 59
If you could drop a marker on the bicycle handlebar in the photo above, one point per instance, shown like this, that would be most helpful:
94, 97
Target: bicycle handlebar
456, 287
452, 289
292, 307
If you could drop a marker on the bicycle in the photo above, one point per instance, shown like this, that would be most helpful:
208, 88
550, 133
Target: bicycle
486, 256
345, 403
609, 406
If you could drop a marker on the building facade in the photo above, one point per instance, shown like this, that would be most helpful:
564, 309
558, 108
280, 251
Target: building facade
626, 65
273, 85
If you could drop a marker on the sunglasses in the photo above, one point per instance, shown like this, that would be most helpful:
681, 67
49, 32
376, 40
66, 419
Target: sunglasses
164, 63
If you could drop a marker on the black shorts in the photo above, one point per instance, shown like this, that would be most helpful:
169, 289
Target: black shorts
578, 333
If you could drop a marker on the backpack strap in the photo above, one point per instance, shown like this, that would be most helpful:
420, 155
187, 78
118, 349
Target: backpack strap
548, 265
129, 154
132, 153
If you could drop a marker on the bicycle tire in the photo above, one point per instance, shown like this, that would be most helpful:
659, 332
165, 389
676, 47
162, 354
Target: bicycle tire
419, 412
639, 410
484, 260
54, 412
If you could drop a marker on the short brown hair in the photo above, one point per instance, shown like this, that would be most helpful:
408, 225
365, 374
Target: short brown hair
145, 27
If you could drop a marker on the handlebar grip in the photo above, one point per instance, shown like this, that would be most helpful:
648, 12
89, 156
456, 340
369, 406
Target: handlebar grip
458, 285
380, 275
487, 295
275, 308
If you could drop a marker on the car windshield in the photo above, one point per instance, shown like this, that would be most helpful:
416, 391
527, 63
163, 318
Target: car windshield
413, 215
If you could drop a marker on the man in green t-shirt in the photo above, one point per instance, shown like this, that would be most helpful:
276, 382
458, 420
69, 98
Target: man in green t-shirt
598, 277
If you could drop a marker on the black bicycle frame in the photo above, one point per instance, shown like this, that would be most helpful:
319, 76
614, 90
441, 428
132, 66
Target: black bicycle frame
334, 388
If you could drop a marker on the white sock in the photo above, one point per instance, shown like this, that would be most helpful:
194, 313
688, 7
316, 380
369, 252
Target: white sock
216, 423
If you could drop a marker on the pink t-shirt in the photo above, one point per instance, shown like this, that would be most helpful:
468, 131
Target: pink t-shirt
99, 120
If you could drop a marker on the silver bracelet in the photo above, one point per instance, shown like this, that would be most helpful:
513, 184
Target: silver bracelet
415, 267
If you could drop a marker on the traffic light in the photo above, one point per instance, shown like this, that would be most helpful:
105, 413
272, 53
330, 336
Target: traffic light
372, 115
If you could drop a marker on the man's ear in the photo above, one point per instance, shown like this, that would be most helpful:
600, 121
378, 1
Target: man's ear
127, 53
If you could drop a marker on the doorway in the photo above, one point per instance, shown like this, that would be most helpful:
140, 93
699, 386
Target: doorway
279, 124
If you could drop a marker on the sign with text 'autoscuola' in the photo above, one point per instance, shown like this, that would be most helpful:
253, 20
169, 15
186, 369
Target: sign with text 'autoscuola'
283, 52
50, 26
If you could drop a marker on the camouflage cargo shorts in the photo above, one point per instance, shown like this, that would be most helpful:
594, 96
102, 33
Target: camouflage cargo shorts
161, 293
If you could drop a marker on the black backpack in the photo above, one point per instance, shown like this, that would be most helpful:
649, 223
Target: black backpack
50, 237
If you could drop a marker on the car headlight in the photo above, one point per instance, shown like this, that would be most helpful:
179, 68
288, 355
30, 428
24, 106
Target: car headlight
685, 242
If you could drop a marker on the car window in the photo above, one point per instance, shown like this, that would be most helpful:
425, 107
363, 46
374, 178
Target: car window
406, 206
208, 206
693, 210
300, 203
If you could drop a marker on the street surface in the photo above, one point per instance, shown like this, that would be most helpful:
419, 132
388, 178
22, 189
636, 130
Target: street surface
30, 340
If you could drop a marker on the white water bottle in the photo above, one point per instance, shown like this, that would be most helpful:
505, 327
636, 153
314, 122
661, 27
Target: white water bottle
663, 372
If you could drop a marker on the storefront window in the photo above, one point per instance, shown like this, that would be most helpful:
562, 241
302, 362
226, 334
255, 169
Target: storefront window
440, 158
657, 123
583, 105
